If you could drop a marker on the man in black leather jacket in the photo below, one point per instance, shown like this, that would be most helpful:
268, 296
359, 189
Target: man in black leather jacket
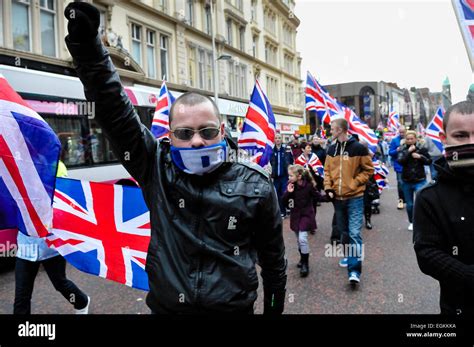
208, 228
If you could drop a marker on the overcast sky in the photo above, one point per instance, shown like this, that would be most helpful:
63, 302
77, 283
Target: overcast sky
413, 43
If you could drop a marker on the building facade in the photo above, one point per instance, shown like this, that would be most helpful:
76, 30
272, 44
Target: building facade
150, 41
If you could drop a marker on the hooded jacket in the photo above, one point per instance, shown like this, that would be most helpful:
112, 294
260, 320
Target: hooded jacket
347, 169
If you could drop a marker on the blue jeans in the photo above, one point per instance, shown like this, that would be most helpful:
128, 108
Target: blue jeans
434, 172
400, 186
350, 216
280, 184
409, 191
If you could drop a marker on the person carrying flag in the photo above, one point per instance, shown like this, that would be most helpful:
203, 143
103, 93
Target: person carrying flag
211, 218
33, 252
444, 215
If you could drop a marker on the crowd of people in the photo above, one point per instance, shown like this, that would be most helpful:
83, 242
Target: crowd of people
201, 259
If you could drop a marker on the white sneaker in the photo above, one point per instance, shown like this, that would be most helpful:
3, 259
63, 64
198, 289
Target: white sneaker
410, 227
84, 310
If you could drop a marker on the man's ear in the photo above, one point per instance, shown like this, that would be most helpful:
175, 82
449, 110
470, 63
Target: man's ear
223, 129
442, 137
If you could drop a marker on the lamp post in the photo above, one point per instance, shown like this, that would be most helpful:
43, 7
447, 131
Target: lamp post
214, 55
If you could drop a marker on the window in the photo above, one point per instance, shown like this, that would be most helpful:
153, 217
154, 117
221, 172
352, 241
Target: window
254, 45
289, 94
253, 10
207, 20
150, 53
239, 4
242, 38
191, 65
288, 35
209, 71
164, 57
73, 134
270, 53
272, 89
21, 15
48, 32
231, 66
201, 62
163, 5
229, 31
137, 43
100, 146
237, 79
288, 63
102, 22
269, 21
189, 12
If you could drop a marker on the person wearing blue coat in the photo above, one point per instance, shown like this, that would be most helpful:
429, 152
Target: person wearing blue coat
395, 148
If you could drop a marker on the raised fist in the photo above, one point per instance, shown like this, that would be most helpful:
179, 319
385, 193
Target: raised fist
83, 21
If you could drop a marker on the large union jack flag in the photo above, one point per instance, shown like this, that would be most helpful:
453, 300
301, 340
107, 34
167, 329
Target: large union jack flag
258, 132
160, 126
435, 127
29, 153
361, 129
102, 229
313, 161
319, 100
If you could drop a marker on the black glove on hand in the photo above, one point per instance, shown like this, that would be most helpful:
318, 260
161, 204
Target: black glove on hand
83, 21
274, 303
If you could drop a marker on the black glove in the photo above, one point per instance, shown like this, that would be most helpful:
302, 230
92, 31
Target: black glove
83, 21
274, 303
333, 194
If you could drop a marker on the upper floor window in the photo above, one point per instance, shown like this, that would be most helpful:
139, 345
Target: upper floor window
137, 43
21, 24
48, 27
189, 12
229, 31
253, 10
150, 53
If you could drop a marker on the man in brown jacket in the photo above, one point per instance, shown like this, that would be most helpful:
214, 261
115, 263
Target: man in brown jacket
346, 171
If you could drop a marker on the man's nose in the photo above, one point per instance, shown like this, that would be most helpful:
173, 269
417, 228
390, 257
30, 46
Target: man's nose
197, 141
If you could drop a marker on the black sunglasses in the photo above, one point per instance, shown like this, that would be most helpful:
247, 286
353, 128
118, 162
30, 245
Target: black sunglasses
187, 134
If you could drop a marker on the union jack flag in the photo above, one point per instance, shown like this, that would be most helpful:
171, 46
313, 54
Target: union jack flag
380, 168
312, 162
380, 174
359, 127
319, 100
393, 121
29, 153
258, 132
323, 132
421, 129
381, 183
102, 229
160, 126
435, 127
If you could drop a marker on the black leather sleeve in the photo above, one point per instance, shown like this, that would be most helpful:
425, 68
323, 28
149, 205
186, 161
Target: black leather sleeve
132, 143
271, 253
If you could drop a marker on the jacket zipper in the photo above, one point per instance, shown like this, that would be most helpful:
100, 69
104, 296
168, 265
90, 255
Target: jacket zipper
199, 268
343, 147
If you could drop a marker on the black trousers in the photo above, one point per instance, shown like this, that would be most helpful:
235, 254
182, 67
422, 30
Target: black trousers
25, 274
